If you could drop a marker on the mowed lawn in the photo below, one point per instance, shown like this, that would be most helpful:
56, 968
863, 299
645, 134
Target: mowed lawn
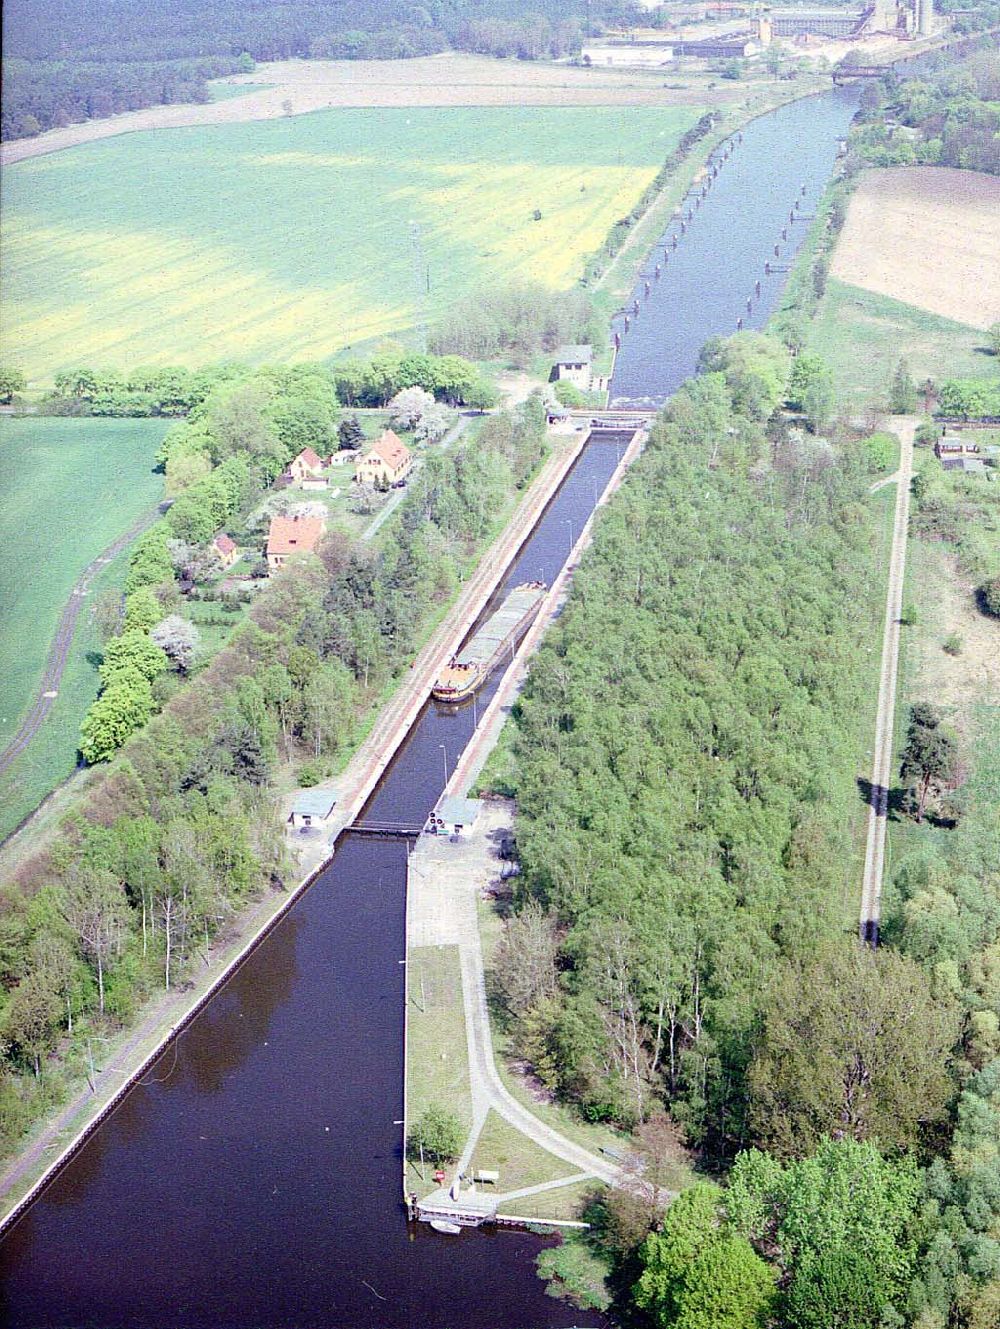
292, 239
70, 488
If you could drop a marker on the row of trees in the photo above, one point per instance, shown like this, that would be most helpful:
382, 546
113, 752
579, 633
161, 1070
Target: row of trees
239, 435
170, 391
448, 377
177, 392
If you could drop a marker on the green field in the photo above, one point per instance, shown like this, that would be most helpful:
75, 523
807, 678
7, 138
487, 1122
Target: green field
291, 239
70, 488
863, 336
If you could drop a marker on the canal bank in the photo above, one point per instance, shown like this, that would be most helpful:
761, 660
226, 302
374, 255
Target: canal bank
138, 1049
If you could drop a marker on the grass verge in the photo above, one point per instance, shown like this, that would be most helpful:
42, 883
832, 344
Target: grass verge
863, 336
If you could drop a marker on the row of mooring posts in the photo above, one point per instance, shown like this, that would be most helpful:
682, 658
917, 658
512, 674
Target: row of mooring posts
692, 201
770, 269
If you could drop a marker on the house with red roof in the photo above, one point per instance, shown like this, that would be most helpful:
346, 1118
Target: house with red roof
291, 537
307, 463
388, 461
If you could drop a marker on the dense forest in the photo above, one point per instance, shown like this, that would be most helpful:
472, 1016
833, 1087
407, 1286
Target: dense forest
72, 60
949, 117
683, 935
180, 829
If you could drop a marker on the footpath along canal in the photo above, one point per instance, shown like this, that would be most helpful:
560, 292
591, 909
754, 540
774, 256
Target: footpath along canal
252, 1178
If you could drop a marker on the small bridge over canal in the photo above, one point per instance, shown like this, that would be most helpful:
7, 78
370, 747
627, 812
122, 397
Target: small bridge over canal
844, 73
614, 419
386, 830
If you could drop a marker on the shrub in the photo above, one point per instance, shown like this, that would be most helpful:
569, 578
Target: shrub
880, 451
575, 1273
953, 644
988, 597
568, 394
310, 773
439, 1133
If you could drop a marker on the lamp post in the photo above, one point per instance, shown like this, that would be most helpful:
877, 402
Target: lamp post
90, 1059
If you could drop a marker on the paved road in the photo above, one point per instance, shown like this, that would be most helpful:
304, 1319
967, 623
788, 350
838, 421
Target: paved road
881, 779
59, 650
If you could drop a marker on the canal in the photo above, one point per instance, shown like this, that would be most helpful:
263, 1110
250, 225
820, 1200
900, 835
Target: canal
253, 1177
705, 283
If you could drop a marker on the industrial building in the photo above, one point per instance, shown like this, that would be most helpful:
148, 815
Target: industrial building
903, 19
625, 54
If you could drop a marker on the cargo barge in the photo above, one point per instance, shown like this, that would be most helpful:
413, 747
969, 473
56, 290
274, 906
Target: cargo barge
469, 669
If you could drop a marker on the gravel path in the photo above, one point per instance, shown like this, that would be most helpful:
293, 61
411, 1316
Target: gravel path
871, 892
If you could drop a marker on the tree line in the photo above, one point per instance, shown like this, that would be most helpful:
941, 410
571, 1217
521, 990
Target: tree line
175, 391
683, 939
50, 94
74, 62
180, 828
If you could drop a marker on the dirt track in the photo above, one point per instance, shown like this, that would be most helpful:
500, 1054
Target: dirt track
928, 236
59, 650
439, 80
871, 889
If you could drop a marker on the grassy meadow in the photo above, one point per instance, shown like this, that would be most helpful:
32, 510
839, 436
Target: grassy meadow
292, 239
70, 487
863, 336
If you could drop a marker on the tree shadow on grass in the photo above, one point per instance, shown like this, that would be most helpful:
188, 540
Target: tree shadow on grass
892, 803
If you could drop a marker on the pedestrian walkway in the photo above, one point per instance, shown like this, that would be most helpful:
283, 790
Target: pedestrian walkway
445, 881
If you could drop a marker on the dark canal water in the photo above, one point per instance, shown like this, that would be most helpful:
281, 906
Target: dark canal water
253, 1179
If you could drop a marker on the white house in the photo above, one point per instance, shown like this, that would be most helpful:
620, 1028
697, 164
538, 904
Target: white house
627, 55
574, 364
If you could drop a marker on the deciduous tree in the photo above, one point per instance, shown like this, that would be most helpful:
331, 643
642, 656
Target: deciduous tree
439, 1133
31, 1016
123, 707
178, 638
95, 908
11, 381
133, 650
930, 754
853, 1045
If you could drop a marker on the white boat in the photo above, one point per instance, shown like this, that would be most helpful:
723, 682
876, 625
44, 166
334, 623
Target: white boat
442, 1225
